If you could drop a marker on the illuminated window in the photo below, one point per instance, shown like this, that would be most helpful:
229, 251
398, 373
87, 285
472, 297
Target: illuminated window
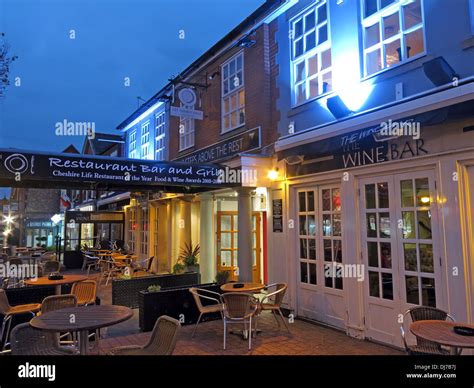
132, 145
393, 32
233, 93
186, 130
311, 54
145, 140
160, 136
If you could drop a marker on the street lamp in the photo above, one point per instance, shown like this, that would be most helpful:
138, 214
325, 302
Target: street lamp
57, 218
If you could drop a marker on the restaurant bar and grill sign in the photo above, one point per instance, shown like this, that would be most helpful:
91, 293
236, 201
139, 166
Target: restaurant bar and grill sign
32, 169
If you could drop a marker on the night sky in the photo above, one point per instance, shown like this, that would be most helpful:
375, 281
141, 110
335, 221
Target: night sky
82, 79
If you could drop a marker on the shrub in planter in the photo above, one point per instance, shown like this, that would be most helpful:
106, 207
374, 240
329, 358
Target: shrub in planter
178, 268
154, 288
189, 257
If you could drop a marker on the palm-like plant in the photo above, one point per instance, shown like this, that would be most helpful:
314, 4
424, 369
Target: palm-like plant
189, 254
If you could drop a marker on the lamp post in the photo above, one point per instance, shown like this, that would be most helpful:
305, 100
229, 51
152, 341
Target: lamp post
8, 220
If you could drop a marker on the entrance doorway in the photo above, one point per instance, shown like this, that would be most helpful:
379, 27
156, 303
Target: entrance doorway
400, 251
227, 242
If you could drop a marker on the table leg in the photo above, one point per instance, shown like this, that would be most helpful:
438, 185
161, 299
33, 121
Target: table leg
83, 342
58, 290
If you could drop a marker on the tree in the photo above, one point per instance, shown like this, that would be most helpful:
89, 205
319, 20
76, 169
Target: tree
5, 60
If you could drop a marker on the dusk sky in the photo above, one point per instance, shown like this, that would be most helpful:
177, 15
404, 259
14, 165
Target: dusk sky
82, 79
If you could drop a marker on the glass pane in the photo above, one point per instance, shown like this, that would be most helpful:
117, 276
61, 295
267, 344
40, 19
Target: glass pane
412, 289
386, 255
406, 189
323, 34
303, 250
226, 240
327, 250
309, 21
426, 258
311, 225
326, 59
322, 13
409, 252
338, 283
326, 225
412, 14
326, 194
327, 82
374, 284
312, 249
336, 224
424, 224
314, 87
391, 25
387, 286
372, 35
313, 65
298, 47
384, 3
428, 293
374, 61
371, 225
370, 196
302, 202
301, 93
393, 53
382, 189
226, 258
370, 7
337, 249
303, 228
422, 190
254, 258
408, 230
311, 201
384, 219
226, 223
298, 28
336, 200
415, 43
310, 41
304, 272
300, 72
312, 273
328, 275
372, 254
239, 62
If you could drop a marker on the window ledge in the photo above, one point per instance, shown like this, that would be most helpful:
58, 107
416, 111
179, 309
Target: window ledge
468, 43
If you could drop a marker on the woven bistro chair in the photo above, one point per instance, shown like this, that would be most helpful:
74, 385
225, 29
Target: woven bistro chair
85, 292
58, 302
424, 347
9, 312
162, 341
272, 301
27, 341
239, 308
50, 266
216, 307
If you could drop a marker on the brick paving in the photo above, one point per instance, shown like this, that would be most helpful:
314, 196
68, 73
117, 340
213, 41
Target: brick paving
305, 339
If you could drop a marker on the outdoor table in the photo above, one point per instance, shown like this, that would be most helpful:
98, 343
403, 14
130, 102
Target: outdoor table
67, 279
248, 287
85, 319
442, 333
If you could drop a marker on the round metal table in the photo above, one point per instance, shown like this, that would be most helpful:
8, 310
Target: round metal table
248, 287
81, 320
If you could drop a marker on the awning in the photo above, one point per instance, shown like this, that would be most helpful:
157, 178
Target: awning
19, 168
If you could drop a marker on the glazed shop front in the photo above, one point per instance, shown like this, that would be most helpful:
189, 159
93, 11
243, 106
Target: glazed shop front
378, 224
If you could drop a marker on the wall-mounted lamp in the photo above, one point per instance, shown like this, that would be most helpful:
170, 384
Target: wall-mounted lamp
214, 75
337, 107
247, 41
273, 174
439, 71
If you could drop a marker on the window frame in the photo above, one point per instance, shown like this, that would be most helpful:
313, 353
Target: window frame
160, 136
132, 144
145, 140
377, 18
230, 94
317, 50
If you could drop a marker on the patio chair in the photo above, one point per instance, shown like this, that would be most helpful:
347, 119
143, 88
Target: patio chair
85, 292
424, 347
239, 308
27, 341
272, 302
162, 341
201, 293
57, 302
89, 261
50, 266
110, 268
9, 312
145, 266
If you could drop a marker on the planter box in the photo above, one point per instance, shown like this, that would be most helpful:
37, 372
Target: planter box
176, 302
125, 291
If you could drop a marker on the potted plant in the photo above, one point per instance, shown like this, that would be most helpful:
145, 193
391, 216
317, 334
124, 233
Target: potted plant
189, 257
154, 288
222, 277
178, 268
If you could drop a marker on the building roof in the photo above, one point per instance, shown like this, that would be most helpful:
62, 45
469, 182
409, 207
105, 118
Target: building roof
265, 9
101, 143
71, 149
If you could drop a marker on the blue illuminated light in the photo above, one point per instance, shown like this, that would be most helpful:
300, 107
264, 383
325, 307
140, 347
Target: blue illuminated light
355, 96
